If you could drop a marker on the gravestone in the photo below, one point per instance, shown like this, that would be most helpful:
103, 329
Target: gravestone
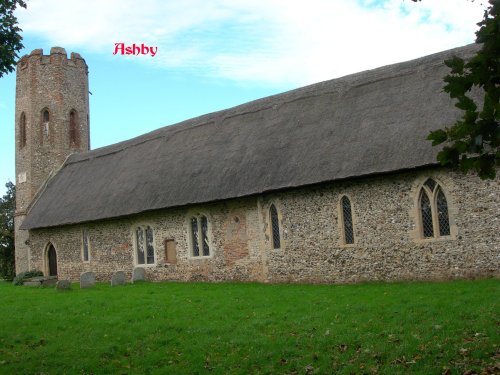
139, 274
87, 280
118, 278
63, 285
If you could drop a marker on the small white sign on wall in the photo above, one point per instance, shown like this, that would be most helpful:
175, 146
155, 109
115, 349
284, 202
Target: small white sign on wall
21, 177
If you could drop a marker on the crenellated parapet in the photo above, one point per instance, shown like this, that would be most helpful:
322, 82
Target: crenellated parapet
57, 56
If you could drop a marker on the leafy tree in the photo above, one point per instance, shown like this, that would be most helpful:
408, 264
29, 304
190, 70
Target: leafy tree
7, 208
10, 37
473, 142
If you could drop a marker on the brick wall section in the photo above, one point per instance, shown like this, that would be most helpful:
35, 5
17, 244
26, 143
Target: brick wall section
58, 84
387, 245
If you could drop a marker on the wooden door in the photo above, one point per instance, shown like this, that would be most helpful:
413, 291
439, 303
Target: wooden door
170, 252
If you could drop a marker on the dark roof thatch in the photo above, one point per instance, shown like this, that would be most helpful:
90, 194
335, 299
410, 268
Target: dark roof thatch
365, 123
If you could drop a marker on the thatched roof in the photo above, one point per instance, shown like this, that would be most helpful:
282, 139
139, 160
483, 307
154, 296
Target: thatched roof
362, 124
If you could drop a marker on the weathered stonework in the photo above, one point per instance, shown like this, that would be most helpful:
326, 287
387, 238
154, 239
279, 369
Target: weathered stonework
311, 245
387, 244
59, 85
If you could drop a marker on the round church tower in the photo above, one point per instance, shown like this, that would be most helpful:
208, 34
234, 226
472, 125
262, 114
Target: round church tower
52, 122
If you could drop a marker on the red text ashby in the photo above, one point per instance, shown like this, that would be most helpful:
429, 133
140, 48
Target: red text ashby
134, 49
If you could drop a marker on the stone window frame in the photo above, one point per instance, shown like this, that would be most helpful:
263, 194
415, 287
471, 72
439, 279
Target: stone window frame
22, 130
74, 135
416, 212
341, 222
274, 224
269, 226
198, 215
86, 241
144, 226
44, 125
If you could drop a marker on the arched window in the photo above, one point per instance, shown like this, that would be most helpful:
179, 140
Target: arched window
45, 124
346, 221
144, 241
275, 227
200, 244
22, 130
74, 130
433, 211
85, 245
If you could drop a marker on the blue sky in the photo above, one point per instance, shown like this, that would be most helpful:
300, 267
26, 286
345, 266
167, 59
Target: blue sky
217, 54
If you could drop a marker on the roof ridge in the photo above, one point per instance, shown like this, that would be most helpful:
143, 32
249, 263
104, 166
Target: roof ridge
341, 84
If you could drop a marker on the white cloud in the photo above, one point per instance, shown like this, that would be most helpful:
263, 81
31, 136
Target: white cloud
260, 40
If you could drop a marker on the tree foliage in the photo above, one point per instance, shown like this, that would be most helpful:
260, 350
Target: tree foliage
10, 37
7, 208
472, 143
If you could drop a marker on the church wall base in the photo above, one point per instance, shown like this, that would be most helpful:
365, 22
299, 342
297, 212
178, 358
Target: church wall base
387, 247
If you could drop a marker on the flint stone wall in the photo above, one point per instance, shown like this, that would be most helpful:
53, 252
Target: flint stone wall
387, 241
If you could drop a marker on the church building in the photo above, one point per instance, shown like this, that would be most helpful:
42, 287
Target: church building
330, 183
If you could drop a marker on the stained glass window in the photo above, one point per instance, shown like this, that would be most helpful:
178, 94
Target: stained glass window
194, 236
204, 234
347, 221
139, 236
425, 207
145, 245
275, 227
431, 184
433, 210
199, 236
442, 210
150, 258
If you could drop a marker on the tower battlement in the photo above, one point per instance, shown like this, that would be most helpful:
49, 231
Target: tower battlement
57, 56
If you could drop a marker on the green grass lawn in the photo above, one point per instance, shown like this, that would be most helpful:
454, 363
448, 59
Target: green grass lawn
181, 328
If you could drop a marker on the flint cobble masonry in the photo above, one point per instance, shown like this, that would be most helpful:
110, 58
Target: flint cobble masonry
386, 247
193, 200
